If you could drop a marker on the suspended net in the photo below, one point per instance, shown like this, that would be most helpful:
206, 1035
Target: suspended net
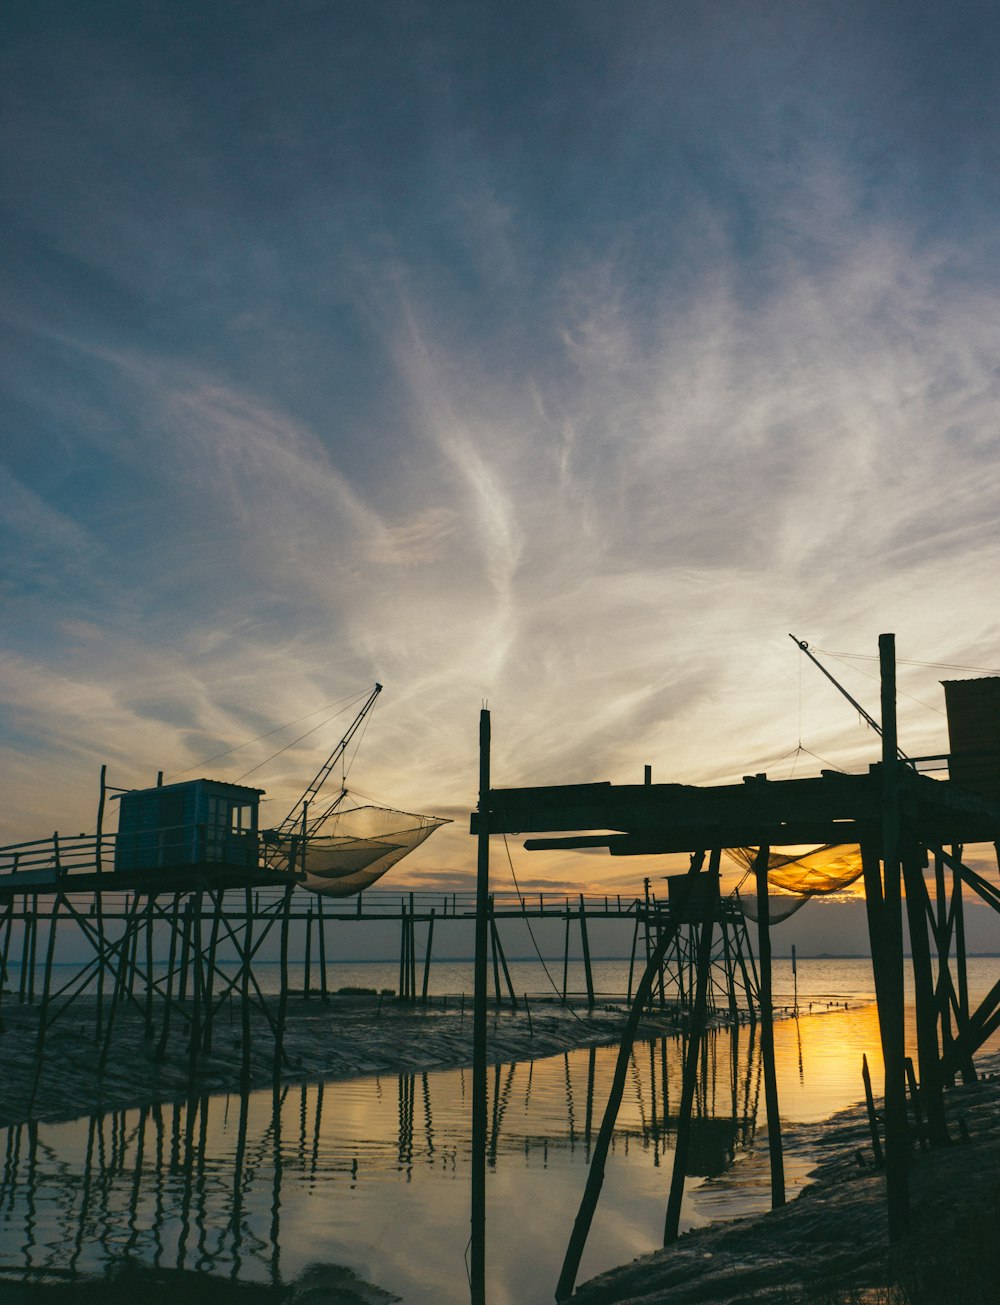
828, 869
356, 848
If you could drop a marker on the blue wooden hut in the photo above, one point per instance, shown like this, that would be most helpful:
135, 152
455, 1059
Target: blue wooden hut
199, 822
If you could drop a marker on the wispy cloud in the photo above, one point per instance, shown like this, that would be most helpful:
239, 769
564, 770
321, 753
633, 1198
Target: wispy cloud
575, 402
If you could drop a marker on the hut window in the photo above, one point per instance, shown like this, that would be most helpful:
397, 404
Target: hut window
242, 819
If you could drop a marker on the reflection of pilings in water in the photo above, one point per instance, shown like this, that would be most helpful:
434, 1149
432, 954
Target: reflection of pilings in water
236, 1219
278, 1104
428, 1119
133, 1206
405, 1152
570, 1113
501, 1099
591, 1064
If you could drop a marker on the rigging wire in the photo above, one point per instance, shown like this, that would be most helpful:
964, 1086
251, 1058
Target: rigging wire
902, 661
349, 701
531, 932
287, 746
920, 702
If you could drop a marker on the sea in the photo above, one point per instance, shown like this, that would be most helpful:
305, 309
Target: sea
363, 1185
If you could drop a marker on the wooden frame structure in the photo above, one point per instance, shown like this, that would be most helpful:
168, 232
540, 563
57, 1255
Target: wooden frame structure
902, 820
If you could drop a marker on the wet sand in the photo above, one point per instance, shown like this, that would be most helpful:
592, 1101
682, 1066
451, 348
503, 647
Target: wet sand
831, 1243
343, 1037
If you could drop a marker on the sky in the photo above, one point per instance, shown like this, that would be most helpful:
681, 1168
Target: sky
557, 357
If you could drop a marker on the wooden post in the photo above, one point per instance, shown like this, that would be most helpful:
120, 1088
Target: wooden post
872, 1117
245, 993
185, 946
427, 958
33, 949
493, 951
587, 971
99, 902
149, 1030
631, 957
308, 957
958, 907
321, 928
413, 950
498, 951
213, 944
197, 983
671, 1223
767, 1031
161, 1046
4, 954
565, 959
917, 905
595, 1172
404, 937
43, 1013
279, 1035
896, 1141
477, 1247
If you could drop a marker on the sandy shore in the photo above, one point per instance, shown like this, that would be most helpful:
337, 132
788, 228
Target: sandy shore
342, 1038
831, 1244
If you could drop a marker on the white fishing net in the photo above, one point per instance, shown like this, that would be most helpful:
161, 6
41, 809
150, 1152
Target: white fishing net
356, 848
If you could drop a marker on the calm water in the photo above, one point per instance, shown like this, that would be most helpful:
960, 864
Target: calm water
373, 1174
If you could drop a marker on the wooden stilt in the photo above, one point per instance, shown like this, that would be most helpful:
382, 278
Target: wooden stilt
427, 958
917, 906
43, 1013
321, 935
494, 950
246, 953
499, 952
216, 899
413, 950
175, 928
197, 984
872, 1117
149, 1030
774, 1147
185, 951
307, 965
896, 1140
477, 1245
585, 943
631, 956
566, 958
404, 938
279, 1037
595, 1171
671, 1223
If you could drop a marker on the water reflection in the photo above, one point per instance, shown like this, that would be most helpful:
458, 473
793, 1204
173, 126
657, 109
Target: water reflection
372, 1174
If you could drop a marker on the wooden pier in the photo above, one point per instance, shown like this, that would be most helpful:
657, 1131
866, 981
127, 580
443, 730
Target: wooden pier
906, 825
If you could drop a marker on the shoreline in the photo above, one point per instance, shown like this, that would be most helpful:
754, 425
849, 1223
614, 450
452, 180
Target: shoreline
830, 1243
340, 1038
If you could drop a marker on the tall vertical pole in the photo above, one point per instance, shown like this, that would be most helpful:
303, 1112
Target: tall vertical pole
477, 1252
896, 1141
99, 901
767, 1031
